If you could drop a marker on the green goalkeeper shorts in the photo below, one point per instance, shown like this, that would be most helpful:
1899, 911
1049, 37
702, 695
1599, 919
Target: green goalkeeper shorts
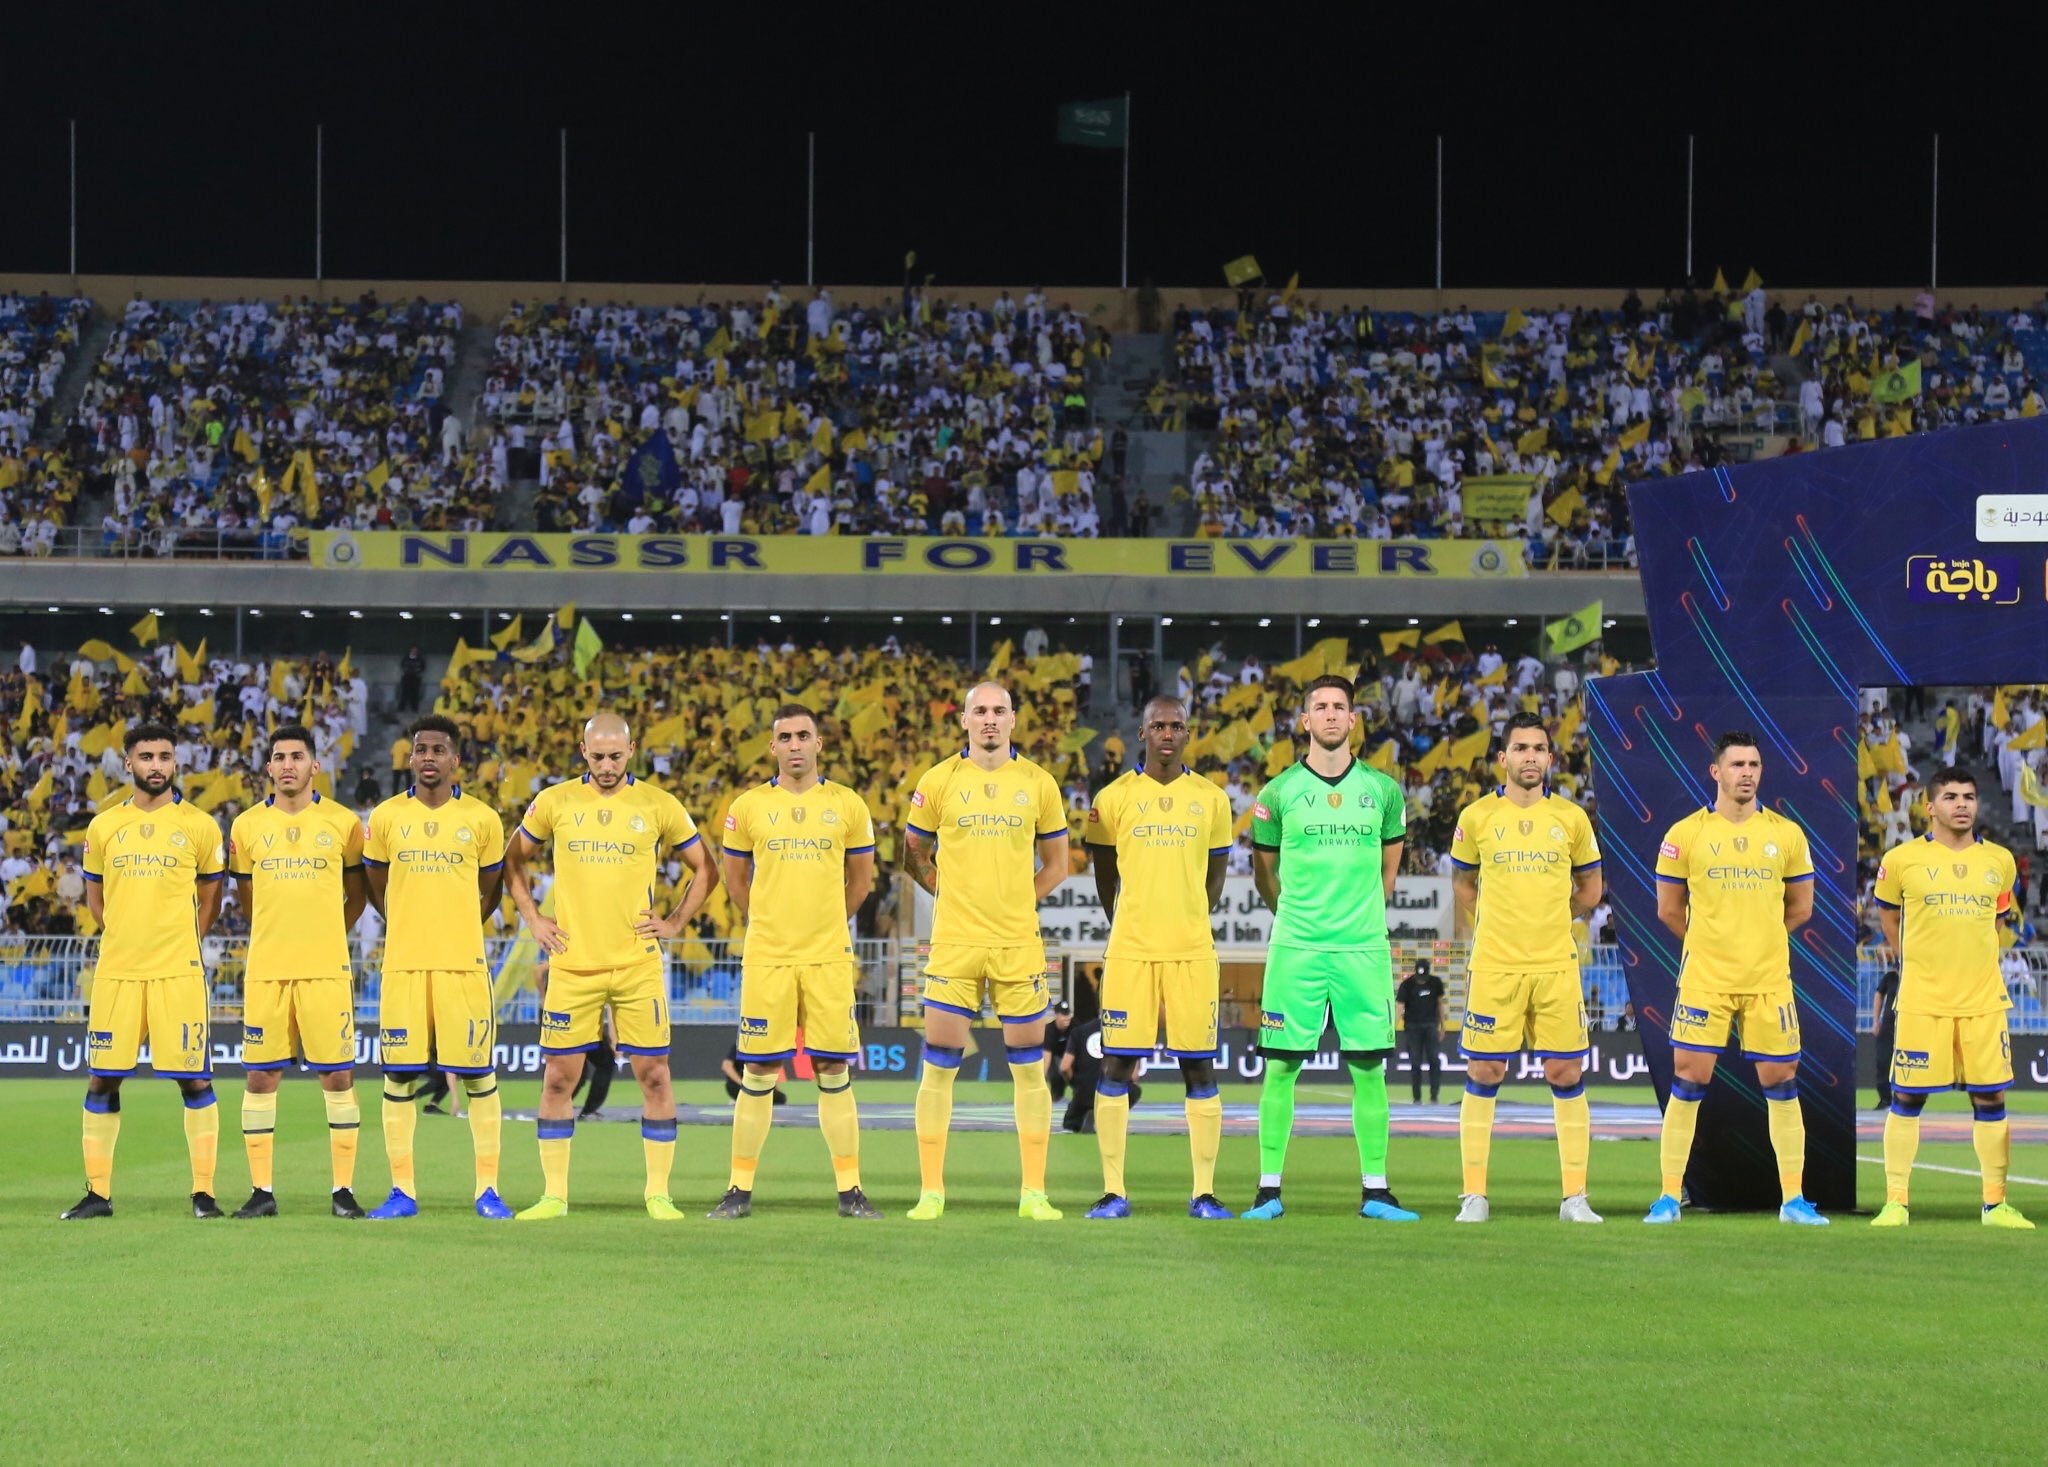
1355, 989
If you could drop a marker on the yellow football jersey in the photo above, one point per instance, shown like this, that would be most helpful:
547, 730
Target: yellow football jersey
607, 854
988, 823
435, 858
1735, 878
1949, 902
1163, 835
799, 845
293, 865
1526, 857
149, 864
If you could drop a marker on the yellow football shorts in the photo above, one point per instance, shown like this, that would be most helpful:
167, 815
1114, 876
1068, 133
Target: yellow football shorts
1939, 1051
779, 999
168, 1013
1133, 992
572, 1011
438, 1018
314, 1017
957, 974
1767, 1022
1545, 1006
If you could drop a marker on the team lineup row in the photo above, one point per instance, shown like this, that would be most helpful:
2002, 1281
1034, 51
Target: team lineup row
797, 856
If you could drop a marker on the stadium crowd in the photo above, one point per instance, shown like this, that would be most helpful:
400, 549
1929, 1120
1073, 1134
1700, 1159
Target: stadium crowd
38, 337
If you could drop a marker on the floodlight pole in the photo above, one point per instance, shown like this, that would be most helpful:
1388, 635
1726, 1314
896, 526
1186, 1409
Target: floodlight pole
1934, 224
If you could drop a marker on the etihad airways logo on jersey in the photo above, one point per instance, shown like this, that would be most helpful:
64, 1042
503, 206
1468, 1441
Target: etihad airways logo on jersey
792, 844
1340, 830
1536, 858
145, 862
426, 859
283, 865
603, 848
1960, 900
1156, 831
988, 824
1741, 873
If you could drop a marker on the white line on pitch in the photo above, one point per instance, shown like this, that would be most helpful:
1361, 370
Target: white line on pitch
1956, 1171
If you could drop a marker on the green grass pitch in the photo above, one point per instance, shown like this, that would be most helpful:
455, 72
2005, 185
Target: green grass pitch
798, 1336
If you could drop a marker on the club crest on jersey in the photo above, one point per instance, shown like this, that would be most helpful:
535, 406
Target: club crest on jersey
1525, 826
1020, 798
324, 838
989, 790
1769, 850
1194, 807
1990, 878
1365, 800
828, 817
432, 828
604, 817
636, 824
462, 832
1961, 868
1336, 800
177, 837
1557, 832
148, 829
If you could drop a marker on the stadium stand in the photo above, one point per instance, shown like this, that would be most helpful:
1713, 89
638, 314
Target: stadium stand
229, 424
38, 337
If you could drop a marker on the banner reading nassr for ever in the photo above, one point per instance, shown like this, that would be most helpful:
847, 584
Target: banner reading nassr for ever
835, 555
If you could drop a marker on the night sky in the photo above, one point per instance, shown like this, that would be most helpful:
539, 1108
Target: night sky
687, 154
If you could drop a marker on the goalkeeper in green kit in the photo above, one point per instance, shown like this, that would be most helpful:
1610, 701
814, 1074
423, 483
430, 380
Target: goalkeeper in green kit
1326, 841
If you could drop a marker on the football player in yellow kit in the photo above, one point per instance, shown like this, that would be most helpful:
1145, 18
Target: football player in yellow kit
153, 867
986, 835
299, 859
799, 861
1938, 900
604, 946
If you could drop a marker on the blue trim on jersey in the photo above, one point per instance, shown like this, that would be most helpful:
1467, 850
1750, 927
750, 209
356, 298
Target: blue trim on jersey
1898, 1089
406, 1070
687, 844
767, 1059
1483, 1054
644, 1049
111, 1074
1888, 906
215, 876
90, 877
1988, 1089
1807, 877
367, 861
252, 1065
952, 1008
1589, 866
1674, 880
1048, 835
529, 834
913, 825
746, 855
175, 1074
857, 850
1119, 1049
490, 868
1464, 865
1562, 1053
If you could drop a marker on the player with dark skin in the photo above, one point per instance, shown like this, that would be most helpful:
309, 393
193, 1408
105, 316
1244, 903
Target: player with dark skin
292, 768
1163, 736
435, 761
153, 766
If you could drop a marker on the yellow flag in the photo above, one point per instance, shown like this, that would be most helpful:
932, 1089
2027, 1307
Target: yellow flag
1471, 746
1279, 756
1515, 324
96, 650
1390, 640
39, 793
565, 616
346, 668
1801, 337
1261, 721
379, 476
2033, 738
1382, 758
1074, 740
870, 721
277, 676
191, 665
1241, 697
199, 714
309, 482
133, 685
1533, 441
1303, 669
245, 446
1450, 631
510, 634
1751, 281
1720, 285
999, 662
1636, 436
1567, 504
820, 481
144, 631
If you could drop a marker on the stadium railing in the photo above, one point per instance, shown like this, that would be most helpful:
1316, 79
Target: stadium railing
45, 980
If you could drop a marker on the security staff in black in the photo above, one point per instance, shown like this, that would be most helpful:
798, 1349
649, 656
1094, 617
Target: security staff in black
1421, 997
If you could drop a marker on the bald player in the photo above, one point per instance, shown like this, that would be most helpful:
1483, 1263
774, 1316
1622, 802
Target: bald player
986, 835
604, 946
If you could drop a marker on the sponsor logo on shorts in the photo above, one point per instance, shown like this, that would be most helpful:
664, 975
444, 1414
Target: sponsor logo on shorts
1478, 1023
752, 1028
394, 1036
1116, 1018
553, 1019
1268, 1020
1909, 1059
252, 1033
1687, 1014
100, 1039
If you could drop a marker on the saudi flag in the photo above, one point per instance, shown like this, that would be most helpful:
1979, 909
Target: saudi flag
1095, 124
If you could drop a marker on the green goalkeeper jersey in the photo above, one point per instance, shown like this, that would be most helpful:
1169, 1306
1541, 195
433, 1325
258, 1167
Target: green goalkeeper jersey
1329, 833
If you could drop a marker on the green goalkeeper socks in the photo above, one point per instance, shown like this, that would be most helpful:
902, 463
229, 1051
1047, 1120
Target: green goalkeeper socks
1276, 1117
1369, 1119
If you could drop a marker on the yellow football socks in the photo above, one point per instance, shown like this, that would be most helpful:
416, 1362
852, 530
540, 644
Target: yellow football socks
935, 1114
839, 1123
102, 1130
658, 1145
486, 1122
344, 1131
1574, 1120
1204, 1110
1032, 1106
259, 1136
202, 1137
752, 1114
1992, 1136
1901, 1145
1475, 1134
1681, 1119
1788, 1136
556, 1137
400, 1121
1112, 1128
